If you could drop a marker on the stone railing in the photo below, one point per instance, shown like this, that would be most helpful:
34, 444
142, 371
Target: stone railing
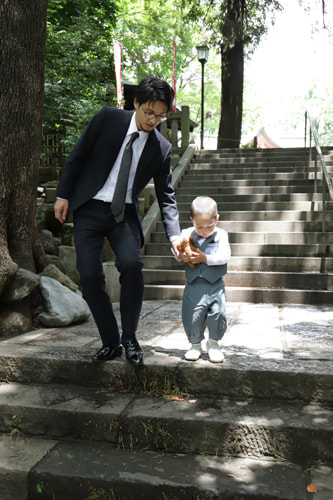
177, 128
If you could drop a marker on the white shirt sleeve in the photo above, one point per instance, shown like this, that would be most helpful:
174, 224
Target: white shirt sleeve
222, 251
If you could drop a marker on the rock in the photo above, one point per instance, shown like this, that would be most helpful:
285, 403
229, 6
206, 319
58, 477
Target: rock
68, 257
52, 271
16, 318
64, 306
67, 237
22, 284
54, 259
49, 243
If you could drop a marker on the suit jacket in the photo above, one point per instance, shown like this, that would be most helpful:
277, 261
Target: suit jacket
95, 153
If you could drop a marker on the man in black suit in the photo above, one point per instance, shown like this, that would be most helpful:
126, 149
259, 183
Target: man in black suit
88, 188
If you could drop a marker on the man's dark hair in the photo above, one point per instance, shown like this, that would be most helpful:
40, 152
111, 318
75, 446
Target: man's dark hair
152, 89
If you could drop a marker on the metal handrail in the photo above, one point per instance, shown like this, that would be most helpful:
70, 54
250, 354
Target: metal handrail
328, 183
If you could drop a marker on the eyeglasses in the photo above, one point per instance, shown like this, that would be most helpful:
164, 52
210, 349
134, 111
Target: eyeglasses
152, 116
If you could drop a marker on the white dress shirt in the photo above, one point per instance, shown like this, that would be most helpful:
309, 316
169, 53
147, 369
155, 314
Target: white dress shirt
106, 192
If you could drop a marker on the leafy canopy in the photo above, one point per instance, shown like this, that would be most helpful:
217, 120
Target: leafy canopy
79, 63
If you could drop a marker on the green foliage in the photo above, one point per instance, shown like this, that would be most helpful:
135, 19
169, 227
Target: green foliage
79, 75
224, 29
319, 102
146, 30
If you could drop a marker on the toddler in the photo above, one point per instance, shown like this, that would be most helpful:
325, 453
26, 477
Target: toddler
204, 295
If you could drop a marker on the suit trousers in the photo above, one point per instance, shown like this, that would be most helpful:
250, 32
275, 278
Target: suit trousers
93, 222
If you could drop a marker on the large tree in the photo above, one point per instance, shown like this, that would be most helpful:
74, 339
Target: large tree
232, 75
241, 26
23, 33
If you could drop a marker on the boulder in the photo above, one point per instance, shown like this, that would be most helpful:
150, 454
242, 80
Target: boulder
49, 243
15, 318
22, 284
52, 271
67, 255
64, 307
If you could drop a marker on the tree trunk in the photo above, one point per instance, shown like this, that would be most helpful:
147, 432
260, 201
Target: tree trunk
232, 54
23, 35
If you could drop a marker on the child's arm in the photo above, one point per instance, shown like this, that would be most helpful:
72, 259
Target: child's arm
222, 253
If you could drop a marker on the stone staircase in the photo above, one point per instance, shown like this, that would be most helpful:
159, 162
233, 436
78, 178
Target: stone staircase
259, 426
267, 204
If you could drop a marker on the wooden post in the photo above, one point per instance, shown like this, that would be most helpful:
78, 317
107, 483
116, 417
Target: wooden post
174, 132
185, 126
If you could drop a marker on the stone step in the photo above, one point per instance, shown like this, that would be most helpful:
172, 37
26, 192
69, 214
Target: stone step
260, 156
277, 352
219, 175
248, 179
255, 169
255, 166
267, 206
207, 174
291, 238
264, 226
274, 163
256, 197
218, 426
18, 456
234, 182
259, 152
269, 157
255, 295
81, 470
258, 250
246, 166
317, 281
245, 190
248, 263
268, 215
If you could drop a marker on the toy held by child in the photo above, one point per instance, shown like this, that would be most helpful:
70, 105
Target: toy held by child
186, 247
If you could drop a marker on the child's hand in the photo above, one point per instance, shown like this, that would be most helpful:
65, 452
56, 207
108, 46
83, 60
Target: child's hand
197, 257
184, 257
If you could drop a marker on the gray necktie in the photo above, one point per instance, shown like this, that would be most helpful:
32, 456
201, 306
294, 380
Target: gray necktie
118, 201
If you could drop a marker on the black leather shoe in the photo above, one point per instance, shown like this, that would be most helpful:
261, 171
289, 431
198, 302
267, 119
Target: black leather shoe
106, 353
133, 352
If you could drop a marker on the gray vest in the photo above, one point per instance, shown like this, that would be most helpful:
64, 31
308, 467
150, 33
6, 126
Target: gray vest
210, 273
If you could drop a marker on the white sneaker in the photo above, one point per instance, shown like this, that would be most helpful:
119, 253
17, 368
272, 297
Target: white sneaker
194, 353
214, 352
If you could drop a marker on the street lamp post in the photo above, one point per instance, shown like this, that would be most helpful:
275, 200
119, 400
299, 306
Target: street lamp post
203, 51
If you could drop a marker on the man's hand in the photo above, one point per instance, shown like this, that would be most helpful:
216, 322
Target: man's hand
60, 210
174, 244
